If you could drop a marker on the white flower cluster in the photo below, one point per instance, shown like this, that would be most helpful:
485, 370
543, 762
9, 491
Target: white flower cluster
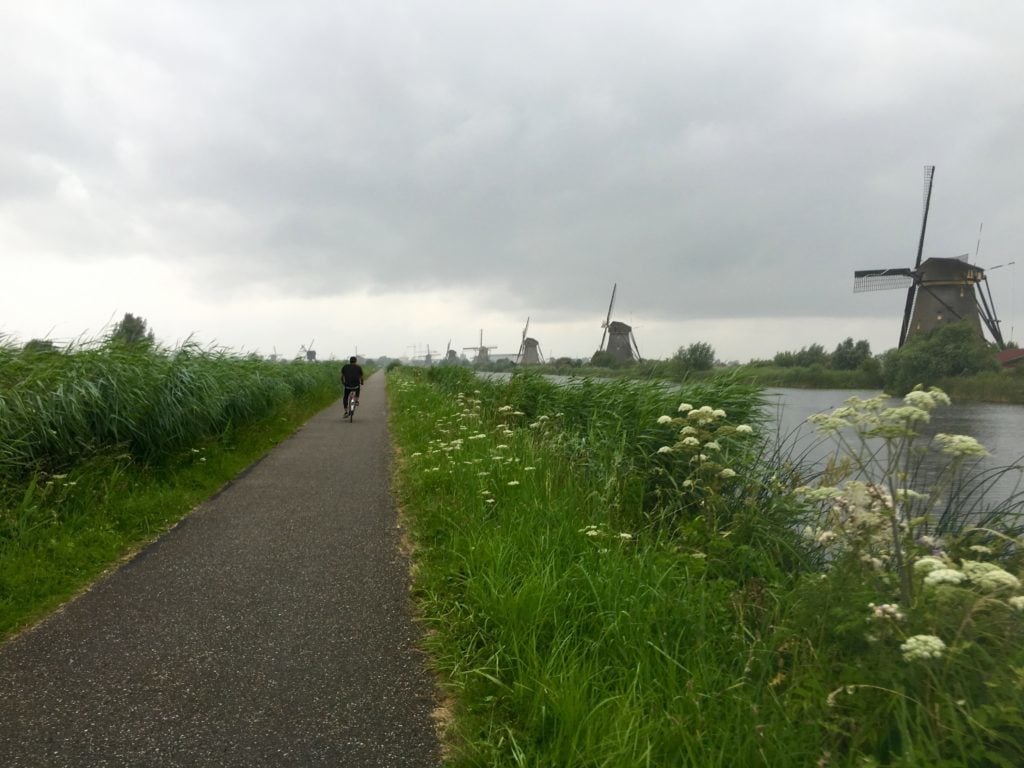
921, 647
989, 577
960, 446
886, 611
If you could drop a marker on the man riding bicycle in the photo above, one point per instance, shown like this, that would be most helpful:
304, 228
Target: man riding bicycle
351, 381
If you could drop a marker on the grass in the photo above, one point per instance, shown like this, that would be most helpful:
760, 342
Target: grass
105, 447
594, 600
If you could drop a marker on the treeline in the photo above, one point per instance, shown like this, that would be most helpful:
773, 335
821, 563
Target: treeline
954, 357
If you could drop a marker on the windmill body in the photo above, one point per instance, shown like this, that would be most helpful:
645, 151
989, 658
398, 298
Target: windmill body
621, 343
939, 290
946, 294
529, 349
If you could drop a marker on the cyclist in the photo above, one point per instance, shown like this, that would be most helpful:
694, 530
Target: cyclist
351, 381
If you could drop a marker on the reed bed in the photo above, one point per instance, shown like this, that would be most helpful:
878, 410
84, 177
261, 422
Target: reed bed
601, 592
104, 444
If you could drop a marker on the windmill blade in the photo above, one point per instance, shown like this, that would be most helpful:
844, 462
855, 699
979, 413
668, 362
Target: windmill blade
882, 279
608, 319
987, 310
908, 310
526, 328
611, 304
929, 174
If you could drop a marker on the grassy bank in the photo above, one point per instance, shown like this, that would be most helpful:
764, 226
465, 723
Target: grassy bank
102, 448
612, 581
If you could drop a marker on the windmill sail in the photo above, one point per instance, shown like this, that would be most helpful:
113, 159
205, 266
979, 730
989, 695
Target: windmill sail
865, 280
929, 174
608, 319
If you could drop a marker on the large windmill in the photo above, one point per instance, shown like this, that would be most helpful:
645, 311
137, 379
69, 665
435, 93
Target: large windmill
621, 342
483, 353
939, 290
529, 349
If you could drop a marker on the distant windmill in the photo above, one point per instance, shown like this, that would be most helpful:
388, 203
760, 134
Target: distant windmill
939, 290
483, 353
529, 349
450, 355
621, 342
308, 352
428, 359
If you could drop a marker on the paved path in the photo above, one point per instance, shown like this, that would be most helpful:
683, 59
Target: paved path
270, 628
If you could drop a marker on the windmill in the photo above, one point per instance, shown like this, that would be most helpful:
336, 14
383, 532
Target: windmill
428, 359
450, 355
529, 349
621, 342
307, 352
483, 354
939, 290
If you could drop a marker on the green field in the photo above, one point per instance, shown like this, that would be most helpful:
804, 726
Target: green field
615, 575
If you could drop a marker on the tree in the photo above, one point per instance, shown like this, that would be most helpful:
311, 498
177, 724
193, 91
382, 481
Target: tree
132, 330
805, 358
953, 349
849, 356
699, 356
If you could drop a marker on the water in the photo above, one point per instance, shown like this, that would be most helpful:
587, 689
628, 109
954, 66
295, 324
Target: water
1000, 428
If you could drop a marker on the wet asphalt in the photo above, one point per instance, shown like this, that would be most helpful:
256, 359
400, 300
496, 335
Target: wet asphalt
270, 628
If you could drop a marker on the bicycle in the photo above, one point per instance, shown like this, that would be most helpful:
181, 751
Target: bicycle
350, 401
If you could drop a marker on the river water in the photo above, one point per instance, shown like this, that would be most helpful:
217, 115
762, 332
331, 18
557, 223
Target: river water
1000, 428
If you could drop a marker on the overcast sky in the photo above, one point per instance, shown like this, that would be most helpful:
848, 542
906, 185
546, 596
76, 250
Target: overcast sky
380, 176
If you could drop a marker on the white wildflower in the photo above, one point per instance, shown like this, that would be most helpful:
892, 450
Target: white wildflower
684, 407
718, 413
626, 536
944, 576
886, 611
1017, 602
664, 419
726, 473
712, 445
744, 429
513, 482
989, 576
690, 442
923, 647
827, 537
665, 449
960, 446
928, 564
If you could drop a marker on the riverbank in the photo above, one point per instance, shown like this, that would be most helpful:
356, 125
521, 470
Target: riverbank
609, 580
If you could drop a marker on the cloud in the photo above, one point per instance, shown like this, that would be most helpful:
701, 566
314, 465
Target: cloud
717, 160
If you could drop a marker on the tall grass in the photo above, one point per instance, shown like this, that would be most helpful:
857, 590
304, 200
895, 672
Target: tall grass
57, 408
596, 600
103, 445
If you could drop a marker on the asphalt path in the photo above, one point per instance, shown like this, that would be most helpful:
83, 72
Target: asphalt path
270, 628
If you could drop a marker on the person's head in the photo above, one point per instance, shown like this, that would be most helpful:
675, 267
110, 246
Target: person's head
352, 359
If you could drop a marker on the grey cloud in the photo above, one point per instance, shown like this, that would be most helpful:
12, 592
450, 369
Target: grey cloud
714, 159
